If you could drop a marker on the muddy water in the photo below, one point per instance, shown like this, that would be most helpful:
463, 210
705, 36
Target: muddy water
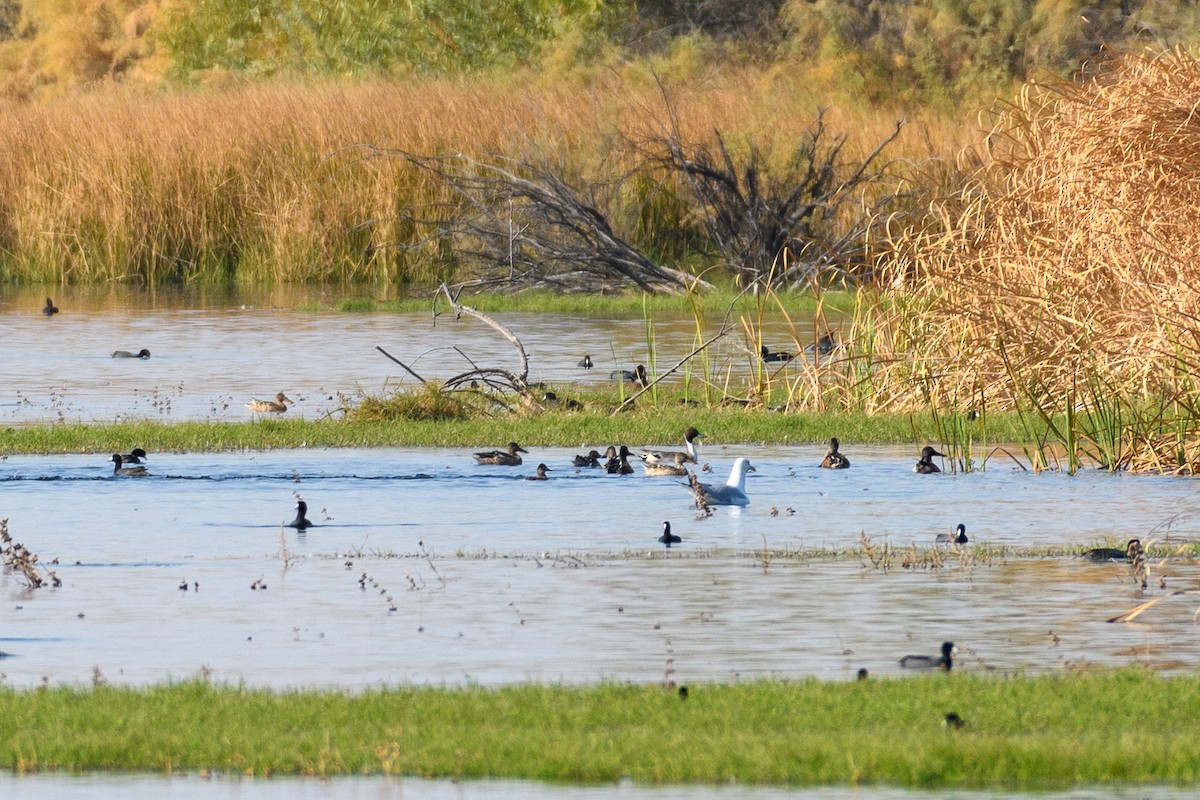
474, 574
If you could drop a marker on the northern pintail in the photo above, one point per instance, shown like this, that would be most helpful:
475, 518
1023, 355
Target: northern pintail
505, 458
672, 466
691, 454
834, 459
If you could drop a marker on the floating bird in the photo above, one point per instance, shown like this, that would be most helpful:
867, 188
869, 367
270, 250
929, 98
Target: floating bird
691, 455
834, 459
585, 362
637, 376
1133, 548
542, 469
958, 537
592, 459
50, 309
925, 465
863, 674
770, 357
301, 522
505, 458
825, 344
618, 464
551, 399
276, 406
953, 720
134, 456
733, 493
673, 466
132, 472
667, 537
944, 662
143, 353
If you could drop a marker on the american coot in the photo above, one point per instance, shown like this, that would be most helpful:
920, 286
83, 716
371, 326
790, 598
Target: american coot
691, 452
301, 522
953, 720
834, 459
673, 467
958, 537
925, 465
825, 344
143, 353
943, 662
667, 537
775, 357
592, 459
49, 309
276, 406
132, 472
542, 469
637, 376
1132, 549
134, 456
733, 493
505, 458
618, 464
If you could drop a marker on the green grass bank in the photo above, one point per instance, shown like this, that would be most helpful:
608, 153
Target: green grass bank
1127, 726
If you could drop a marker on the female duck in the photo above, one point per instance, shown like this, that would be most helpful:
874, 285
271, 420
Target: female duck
834, 459
944, 662
132, 472
672, 466
691, 454
592, 459
542, 469
619, 463
733, 493
276, 406
143, 353
505, 458
925, 465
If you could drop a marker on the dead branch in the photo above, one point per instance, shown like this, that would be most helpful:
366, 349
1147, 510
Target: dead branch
725, 329
516, 381
405, 367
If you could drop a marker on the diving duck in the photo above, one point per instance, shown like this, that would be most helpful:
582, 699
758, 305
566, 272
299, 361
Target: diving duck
958, 537
301, 522
134, 456
618, 464
276, 406
691, 456
943, 662
542, 469
667, 537
132, 472
834, 459
925, 465
505, 458
49, 309
733, 492
143, 353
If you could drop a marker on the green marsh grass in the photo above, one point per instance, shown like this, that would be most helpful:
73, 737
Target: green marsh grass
1027, 732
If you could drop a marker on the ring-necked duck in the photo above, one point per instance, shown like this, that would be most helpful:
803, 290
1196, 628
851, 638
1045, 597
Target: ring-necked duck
733, 492
834, 459
667, 537
505, 458
943, 662
143, 353
958, 537
132, 472
692, 454
276, 406
301, 522
925, 465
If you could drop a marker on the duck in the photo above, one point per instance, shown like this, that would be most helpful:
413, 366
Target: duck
774, 357
690, 456
1134, 547
825, 344
953, 720
618, 464
49, 309
834, 459
637, 376
542, 469
958, 537
667, 537
301, 522
925, 465
592, 459
143, 353
134, 456
733, 492
943, 662
276, 406
585, 362
132, 472
673, 466
505, 458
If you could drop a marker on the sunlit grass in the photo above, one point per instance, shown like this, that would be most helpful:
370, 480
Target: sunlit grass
1021, 732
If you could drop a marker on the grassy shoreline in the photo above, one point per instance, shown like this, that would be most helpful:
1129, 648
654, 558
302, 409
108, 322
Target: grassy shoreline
1029, 732
726, 425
